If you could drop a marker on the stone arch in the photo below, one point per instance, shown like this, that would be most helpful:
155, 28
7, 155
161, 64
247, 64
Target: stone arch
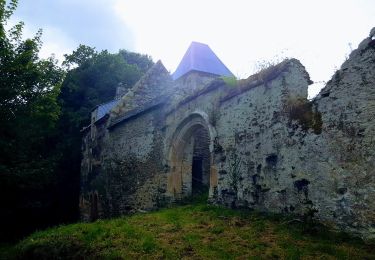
190, 157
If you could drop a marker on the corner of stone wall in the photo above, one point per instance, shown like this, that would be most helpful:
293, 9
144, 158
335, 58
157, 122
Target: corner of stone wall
299, 112
342, 157
295, 81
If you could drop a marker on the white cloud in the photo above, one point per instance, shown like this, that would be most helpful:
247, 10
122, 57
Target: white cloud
243, 32
68, 23
57, 43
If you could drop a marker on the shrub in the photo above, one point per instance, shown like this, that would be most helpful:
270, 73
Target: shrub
303, 111
230, 81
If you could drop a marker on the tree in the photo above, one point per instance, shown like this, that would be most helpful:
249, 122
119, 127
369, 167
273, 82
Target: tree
42, 109
29, 110
79, 56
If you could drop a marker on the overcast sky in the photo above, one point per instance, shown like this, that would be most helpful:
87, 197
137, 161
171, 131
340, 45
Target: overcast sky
319, 33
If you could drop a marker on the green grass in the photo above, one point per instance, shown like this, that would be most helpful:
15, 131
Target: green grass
195, 231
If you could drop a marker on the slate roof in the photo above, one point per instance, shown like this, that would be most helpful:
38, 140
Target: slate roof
139, 110
104, 108
200, 57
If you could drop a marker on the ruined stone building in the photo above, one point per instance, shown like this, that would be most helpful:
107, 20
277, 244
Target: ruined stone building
256, 143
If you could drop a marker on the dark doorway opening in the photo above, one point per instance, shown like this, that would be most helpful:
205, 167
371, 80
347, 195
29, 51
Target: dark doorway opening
198, 185
94, 207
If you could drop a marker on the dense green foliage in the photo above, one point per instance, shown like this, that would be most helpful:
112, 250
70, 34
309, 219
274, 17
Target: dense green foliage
28, 114
196, 231
42, 109
95, 79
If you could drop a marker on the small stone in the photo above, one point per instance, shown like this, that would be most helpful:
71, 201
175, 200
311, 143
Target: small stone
342, 191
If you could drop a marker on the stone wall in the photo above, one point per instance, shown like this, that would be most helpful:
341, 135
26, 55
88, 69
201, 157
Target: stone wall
131, 171
308, 158
264, 145
133, 155
251, 132
339, 164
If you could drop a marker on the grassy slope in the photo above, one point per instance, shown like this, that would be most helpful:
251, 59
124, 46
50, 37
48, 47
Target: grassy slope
192, 231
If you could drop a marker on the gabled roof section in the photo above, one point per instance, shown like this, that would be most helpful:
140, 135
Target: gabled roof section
155, 83
138, 111
200, 57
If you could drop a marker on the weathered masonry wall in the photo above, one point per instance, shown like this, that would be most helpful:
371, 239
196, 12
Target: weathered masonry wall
133, 163
243, 123
251, 134
131, 174
128, 151
260, 144
283, 155
339, 163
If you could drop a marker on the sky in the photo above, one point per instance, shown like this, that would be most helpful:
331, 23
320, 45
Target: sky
243, 34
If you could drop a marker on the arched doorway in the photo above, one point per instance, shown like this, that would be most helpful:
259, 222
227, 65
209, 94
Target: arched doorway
190, 159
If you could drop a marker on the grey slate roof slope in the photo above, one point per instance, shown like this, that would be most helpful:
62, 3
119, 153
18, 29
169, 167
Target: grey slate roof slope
139, 110
155, 83
200, 57
103, 109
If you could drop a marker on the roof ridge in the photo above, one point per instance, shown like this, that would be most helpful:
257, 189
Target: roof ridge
200, 43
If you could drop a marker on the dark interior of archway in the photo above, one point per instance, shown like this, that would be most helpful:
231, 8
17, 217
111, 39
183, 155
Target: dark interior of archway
94, 207
200, 162
197, 178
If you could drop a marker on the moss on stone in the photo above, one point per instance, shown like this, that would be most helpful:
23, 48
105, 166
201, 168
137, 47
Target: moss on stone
304, 112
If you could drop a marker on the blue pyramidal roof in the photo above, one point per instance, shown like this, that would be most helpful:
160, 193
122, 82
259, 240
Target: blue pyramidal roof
199, 57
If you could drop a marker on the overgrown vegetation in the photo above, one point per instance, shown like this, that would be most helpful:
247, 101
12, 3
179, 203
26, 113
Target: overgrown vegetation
303, 111
29, 112
265, 69
42, 109
230, 81
194, 231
